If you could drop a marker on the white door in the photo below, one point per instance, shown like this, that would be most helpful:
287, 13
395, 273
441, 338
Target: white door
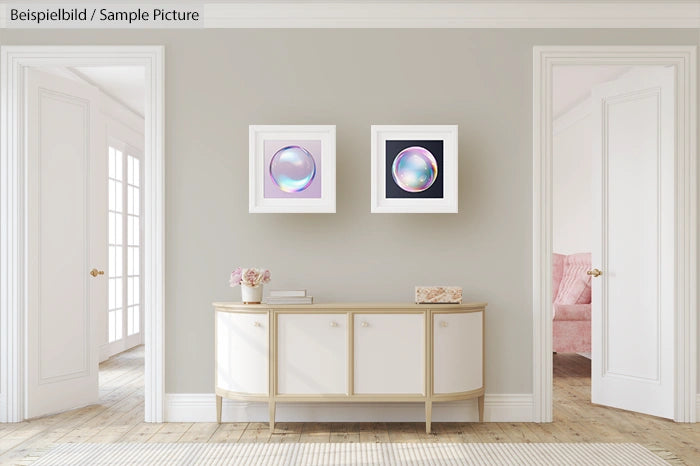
389, 351
66, 229
633, 244
312, 354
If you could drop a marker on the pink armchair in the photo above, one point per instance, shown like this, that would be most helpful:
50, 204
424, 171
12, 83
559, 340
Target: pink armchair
571, 297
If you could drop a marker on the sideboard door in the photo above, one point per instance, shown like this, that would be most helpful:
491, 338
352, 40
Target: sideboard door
389, 353
312, 354
242, 352
457, 352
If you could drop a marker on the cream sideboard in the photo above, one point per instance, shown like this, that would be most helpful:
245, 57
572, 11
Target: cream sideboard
349, 352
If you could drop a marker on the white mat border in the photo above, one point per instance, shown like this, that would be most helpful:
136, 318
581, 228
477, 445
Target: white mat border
350, 453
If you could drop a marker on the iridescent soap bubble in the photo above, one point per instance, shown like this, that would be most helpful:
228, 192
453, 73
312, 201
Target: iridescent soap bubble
414, 169
292, 168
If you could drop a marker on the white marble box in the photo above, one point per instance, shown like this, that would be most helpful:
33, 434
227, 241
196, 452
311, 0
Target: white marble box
438, 294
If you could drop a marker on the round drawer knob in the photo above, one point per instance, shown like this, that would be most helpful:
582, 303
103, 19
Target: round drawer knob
443, 323
334, 324
365, 324
256, 324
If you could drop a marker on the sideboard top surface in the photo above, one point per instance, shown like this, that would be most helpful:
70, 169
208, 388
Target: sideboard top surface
227, 306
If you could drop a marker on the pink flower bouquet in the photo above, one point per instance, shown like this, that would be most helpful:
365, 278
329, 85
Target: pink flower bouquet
249, 277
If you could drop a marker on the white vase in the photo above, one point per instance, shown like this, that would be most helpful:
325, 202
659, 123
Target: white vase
251, 294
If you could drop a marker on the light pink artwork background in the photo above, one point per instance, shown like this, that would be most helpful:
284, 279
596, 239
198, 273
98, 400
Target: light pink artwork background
271, 190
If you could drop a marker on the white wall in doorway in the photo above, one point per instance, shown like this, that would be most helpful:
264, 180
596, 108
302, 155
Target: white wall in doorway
571, 184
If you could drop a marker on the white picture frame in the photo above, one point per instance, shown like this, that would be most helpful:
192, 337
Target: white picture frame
447, 203
322, 138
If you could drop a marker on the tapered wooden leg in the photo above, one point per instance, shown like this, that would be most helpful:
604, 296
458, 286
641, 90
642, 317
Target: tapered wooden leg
481, 408
218, 409
428, 415
272, 415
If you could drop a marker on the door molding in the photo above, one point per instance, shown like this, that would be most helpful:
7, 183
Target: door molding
683, 58
13, 212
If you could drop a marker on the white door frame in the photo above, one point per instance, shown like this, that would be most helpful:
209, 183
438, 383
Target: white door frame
683, 58
13, 214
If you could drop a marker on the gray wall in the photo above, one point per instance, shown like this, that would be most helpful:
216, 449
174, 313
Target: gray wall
220, 81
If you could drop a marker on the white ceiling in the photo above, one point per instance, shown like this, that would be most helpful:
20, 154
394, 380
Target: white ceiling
573, 84
123, 83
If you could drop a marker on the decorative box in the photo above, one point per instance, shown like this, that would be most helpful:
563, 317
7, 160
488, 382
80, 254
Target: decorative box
438, 294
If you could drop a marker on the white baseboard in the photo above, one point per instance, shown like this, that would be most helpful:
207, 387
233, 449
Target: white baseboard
697, 408
201, 407
2, 408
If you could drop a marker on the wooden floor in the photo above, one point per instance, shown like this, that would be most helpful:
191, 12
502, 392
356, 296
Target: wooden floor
119, 418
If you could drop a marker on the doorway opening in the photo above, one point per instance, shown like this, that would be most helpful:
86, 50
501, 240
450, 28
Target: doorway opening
573, 139
609, 221
95, 114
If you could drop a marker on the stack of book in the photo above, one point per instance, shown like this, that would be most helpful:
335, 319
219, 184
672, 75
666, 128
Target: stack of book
288, 297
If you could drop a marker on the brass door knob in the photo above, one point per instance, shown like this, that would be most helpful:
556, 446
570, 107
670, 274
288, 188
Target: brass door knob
595, 273
95, 272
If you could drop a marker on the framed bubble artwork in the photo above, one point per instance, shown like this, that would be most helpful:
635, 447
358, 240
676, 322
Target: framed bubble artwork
414, 169
292, 168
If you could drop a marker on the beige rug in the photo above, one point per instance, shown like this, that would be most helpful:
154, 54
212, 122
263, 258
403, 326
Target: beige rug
350, 454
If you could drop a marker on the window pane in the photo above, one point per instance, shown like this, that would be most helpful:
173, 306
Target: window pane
118, 259
118, 229
130, 293
112, 294
130, 200
130, 169
111, 260
135, 261
133, 230
130, 321
137, 175
119, 319
137, 201
119, 167
111, 162
111, 327
118, 292
110, 228
136, 231
137, 319
119, 196
137, 299
133, 324
130, 261
110, 194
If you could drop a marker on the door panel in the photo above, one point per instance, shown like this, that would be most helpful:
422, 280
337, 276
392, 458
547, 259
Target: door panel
312, 353
633, 304
242, 352
389, 353
62, 229
457, 352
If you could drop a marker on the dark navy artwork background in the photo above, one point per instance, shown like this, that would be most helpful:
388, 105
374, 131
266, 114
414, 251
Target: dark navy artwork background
393, 191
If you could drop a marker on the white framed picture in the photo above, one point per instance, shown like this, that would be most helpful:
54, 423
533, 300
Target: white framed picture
414, 169
291, 168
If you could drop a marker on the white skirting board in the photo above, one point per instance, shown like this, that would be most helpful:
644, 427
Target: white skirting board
201, 407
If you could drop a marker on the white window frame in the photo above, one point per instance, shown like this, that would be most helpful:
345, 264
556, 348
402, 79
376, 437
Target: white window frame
127, 341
